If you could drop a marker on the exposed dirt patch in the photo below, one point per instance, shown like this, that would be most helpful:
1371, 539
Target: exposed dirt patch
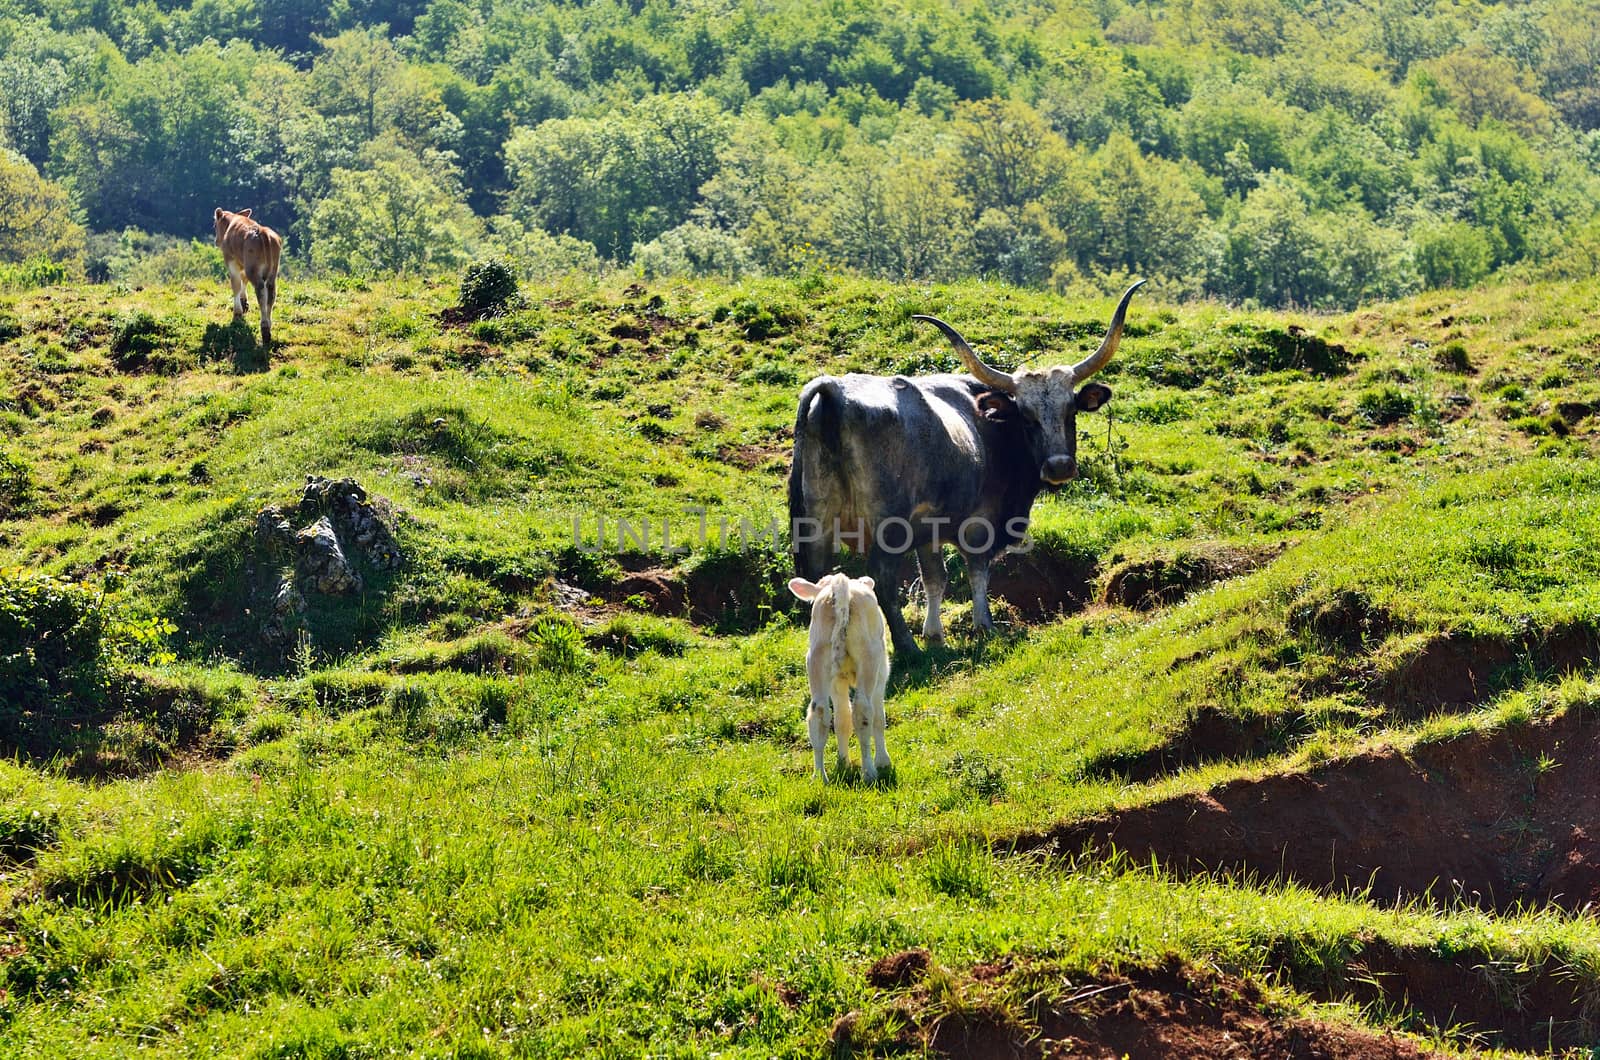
1170, 1011
662, 591
731, 591
1156, 581
1209, 735
1493, 819
1527, 1006
1444, 671
749, 457
899, 969
1043, 583
1346, 618
1455, 671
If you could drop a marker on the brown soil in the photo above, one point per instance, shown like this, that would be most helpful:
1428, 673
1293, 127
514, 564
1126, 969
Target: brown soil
749, 457
663, 591
1158, 581
1171, 1012
1210, 735
1453, 671
899, 969
1041, 584
1535, 1007
1493, 819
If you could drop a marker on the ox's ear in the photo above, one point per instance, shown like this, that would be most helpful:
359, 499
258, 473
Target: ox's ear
803, 589
218, 215
245, 212
1091, 396
993, 405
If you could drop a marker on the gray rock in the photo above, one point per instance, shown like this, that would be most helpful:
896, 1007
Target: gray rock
322, 562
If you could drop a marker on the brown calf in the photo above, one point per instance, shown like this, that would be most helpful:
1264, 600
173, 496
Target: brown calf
250, 251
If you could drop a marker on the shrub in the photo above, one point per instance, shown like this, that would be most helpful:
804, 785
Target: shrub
1383, 405
487, 287
138, 340
16, 484
65, 650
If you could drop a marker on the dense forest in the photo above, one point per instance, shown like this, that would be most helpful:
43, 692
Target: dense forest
1311, 153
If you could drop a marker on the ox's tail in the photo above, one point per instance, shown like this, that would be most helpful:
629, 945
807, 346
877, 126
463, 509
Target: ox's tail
841, 621
816, 430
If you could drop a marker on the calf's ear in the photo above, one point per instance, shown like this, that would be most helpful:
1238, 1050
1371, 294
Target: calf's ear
993, 405
218, 215
245, 212
1091, 396
803, 589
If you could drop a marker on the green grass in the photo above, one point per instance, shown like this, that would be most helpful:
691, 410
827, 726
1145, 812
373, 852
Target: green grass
464, 818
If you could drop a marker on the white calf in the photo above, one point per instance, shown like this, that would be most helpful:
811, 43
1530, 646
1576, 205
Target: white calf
847, 650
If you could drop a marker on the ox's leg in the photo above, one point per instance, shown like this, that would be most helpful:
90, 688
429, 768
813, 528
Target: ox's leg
842, 721
817, 669
884, 567
978, 574
930, 561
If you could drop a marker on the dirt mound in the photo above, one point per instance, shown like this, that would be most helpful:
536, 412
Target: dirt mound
1171, 1011
899, 969
1156, 581
1042, 583
1494, 819
1422, 673
1531, 1006
1209, 735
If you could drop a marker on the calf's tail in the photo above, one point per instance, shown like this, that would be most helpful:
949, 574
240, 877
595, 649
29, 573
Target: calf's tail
841, 621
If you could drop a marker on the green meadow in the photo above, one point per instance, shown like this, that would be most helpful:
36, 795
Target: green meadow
523, 797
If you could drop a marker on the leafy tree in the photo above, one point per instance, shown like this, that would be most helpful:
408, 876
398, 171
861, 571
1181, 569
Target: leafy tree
1222, 116
693, 249
359, 75
1142, 216
1273, 254
396, 217
1483, 85
1009, 156
1451, 254
35, 216
619, 179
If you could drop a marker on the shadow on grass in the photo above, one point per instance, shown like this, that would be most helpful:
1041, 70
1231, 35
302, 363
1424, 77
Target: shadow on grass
932, 663
234, 341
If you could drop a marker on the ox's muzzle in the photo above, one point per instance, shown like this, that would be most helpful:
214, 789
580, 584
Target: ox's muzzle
1058, 470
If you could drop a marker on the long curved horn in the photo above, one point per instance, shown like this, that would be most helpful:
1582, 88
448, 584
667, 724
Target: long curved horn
1097, 360
987, 376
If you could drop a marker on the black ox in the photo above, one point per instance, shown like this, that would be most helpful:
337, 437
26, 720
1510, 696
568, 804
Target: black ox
889, 464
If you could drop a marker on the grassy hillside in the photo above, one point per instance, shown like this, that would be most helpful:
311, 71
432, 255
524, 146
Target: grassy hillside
519, 798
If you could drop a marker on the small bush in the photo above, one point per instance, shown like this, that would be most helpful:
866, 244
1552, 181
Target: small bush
139, 340
65, 653
558, 645
16, 485
1383, 405
1452, 357
35, 272
487, 287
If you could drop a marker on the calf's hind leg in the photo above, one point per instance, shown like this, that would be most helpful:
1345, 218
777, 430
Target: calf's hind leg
819, 673
842, 714
236, 281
